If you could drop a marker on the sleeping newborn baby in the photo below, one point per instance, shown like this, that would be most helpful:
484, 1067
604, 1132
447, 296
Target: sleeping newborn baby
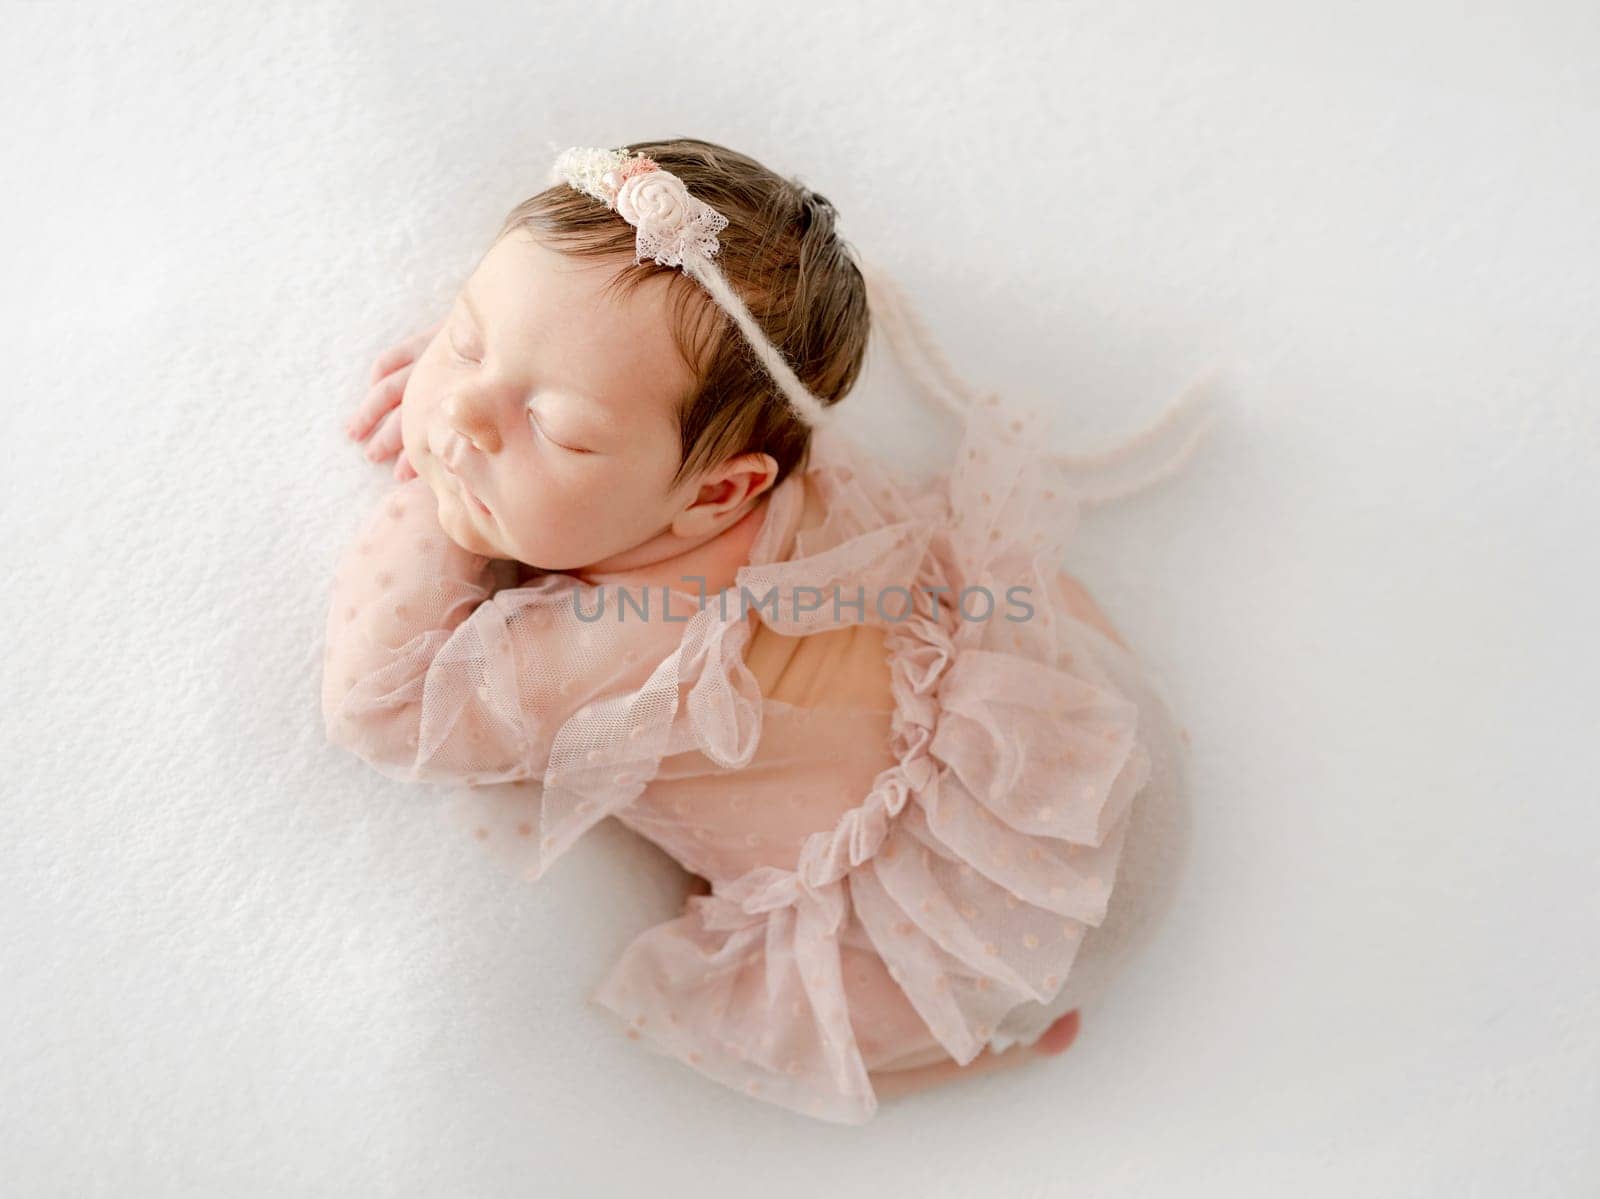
631, 568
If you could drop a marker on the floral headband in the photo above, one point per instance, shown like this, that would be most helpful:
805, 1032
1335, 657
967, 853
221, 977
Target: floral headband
678, 230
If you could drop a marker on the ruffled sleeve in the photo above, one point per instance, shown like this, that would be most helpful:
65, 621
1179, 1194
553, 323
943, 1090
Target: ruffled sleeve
432, 674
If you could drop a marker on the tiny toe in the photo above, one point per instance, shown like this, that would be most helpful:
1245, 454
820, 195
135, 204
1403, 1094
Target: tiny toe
1059, 1036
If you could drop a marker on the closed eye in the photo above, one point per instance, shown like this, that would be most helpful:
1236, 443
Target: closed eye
534, 421
456, 330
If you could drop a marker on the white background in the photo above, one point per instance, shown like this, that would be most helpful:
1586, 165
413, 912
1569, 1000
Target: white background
237, 961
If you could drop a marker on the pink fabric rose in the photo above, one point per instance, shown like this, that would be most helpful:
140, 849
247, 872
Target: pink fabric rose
668, 219
654, 201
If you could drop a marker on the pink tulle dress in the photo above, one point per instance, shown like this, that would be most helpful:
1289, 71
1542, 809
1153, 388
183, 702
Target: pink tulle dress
907, 840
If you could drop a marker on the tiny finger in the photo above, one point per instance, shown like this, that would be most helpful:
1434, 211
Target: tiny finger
385, 397
403, 353
392, 359
385, 442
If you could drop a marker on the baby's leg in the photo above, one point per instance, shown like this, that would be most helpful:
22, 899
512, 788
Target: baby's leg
1144, 886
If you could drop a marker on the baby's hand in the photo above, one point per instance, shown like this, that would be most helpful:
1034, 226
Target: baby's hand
381, 407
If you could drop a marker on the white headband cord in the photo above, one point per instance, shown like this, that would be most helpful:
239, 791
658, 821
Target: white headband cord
676, 229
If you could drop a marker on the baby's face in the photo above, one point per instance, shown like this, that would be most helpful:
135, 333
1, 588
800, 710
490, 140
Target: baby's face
541, 414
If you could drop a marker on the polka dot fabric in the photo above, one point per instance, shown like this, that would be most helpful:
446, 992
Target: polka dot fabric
891, 884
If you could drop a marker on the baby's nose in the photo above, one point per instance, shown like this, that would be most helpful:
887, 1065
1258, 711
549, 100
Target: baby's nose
474, 421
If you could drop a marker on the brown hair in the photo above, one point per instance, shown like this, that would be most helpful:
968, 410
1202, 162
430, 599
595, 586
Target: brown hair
784, 257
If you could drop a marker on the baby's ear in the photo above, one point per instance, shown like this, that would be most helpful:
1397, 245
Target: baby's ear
772, 471
752, 472
732, 485
738, 480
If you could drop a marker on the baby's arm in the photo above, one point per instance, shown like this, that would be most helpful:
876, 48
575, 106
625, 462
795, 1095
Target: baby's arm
443, 666
402, 686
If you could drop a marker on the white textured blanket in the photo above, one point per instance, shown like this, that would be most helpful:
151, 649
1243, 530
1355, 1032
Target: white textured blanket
237, 962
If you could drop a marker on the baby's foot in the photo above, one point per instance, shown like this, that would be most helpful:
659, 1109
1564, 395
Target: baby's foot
1059, 1036
1051, 1043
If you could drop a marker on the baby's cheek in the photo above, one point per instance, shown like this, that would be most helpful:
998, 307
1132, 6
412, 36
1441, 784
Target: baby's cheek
411, 423
414, 424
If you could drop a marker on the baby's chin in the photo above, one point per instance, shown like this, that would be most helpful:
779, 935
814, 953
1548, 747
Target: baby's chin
460, 525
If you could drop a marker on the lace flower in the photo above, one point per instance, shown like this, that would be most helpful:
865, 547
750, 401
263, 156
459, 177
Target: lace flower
669, 220
586, 168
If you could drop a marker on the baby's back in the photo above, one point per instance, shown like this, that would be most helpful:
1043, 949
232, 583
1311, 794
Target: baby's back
825, 737
847, 667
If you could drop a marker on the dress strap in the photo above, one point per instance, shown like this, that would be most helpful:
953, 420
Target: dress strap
1098, 476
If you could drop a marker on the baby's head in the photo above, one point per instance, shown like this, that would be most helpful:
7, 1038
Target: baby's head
576, 410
